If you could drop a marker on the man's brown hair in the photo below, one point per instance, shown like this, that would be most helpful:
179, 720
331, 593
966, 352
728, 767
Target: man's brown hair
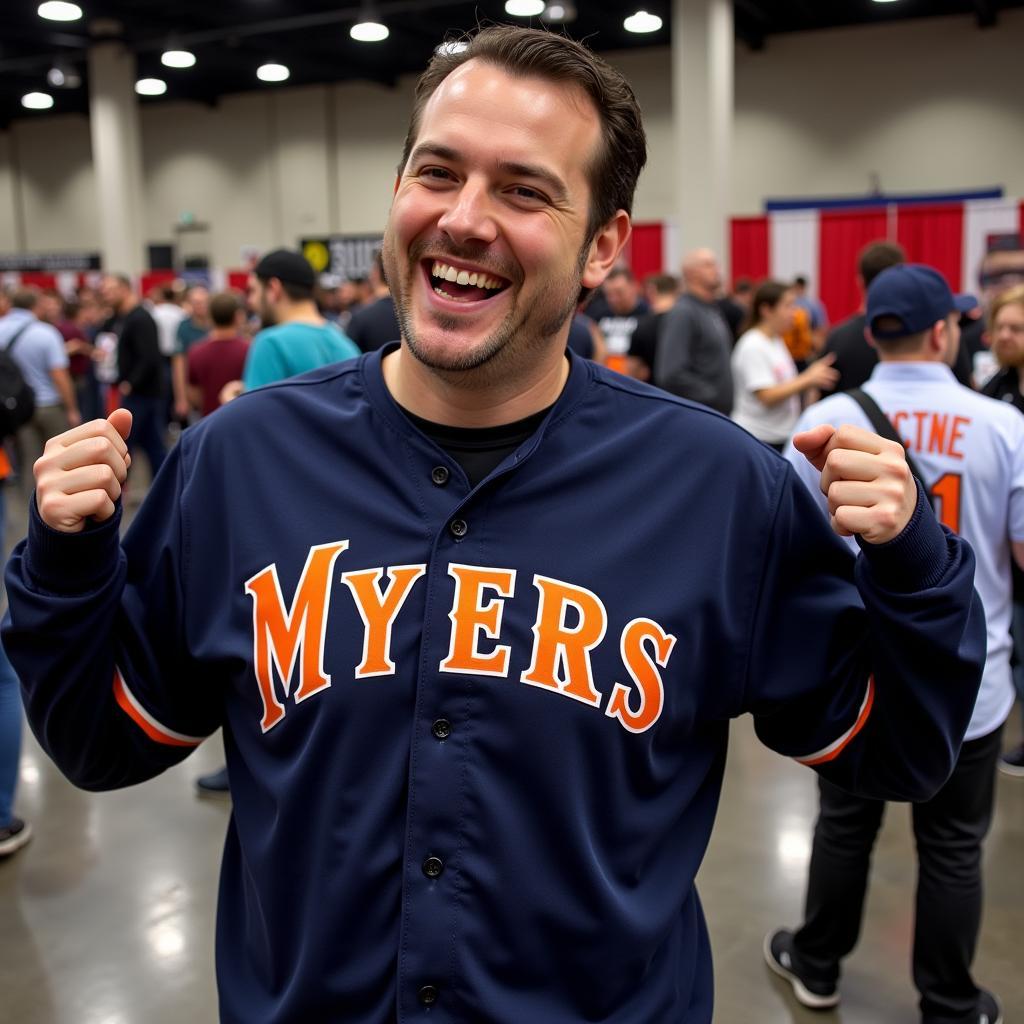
526, 52
224, 307
879, 256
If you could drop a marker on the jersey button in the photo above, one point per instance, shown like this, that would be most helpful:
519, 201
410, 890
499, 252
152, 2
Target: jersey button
428, 995
441, 729
432, 867
459, 528
440, 474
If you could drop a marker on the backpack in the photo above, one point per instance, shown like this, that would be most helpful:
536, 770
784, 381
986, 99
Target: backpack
17, 399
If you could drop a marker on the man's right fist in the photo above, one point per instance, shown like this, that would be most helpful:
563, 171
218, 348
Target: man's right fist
81, 472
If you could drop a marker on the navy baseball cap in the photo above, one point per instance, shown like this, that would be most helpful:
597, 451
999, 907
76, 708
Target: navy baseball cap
914, 294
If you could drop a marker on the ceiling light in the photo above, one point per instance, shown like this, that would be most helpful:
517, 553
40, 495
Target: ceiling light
450, 47
177, 59
524, 8
58, 10
37, 101
62, 76
368, 31
884, 1
272, 73
560, 12
642, 22
151, 87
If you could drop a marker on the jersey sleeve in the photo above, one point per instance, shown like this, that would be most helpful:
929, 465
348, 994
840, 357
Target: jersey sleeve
867, 668
96, 633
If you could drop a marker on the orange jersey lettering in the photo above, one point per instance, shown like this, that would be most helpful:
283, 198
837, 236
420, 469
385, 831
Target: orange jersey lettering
471, 615
643, 670
561, 655
378, 612
279, 634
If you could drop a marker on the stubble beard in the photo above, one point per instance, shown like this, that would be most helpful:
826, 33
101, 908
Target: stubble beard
514, 345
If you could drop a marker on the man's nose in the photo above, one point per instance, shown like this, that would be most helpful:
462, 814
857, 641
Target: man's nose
470, 217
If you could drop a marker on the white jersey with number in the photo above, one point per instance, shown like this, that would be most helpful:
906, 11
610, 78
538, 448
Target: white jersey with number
970, 451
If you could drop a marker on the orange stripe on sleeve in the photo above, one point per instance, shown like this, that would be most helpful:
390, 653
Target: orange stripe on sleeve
145, 721
833, 750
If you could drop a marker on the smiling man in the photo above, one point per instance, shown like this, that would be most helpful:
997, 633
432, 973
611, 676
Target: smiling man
474, 758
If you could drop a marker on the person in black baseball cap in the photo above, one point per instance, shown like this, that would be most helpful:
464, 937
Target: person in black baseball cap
910, 298
288, 266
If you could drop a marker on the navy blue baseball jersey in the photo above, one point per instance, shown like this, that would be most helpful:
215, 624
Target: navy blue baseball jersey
476, 736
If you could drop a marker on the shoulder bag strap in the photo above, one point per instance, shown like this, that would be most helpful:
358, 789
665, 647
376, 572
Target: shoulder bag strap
883, 426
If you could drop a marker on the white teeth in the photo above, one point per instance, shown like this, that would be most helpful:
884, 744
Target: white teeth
476, 279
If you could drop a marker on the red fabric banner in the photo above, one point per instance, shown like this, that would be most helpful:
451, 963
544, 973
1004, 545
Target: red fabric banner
645, 253
153, 279
841, 236
238, 280
38, 279
934, 235
749, 253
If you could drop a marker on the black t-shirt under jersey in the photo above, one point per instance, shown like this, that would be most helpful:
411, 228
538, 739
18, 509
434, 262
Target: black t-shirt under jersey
479, 450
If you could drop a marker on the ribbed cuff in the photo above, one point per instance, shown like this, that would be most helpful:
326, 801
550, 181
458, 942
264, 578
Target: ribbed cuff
71, 563
917, 558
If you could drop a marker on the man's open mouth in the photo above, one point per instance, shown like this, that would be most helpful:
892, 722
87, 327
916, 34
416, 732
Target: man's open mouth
463, 284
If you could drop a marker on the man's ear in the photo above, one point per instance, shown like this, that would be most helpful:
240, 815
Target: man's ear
605, 248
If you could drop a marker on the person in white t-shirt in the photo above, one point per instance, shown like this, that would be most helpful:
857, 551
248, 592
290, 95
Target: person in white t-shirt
969, 450
766, 384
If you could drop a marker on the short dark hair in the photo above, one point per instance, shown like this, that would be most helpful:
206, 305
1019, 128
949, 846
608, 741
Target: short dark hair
800, 281
663, 284
878, 256
742, 286
25, 297
224, 307
901, 344
769, 293
526, 52
167, 292
620, 271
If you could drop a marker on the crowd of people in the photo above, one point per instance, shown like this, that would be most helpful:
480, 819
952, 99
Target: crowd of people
868, 667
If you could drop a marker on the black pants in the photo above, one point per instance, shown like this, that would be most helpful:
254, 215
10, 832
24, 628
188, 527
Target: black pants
948, 830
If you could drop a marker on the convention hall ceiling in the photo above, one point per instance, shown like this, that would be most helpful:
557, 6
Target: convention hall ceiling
232, 38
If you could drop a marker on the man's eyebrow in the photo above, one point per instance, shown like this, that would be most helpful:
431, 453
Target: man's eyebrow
554, 184
514, 168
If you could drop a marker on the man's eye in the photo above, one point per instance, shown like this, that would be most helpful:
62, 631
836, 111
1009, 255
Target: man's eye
525, 192
437, 173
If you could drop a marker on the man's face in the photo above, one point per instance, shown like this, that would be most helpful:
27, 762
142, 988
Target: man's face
48, 308
483, 245
112, 292
621, 293
702, 271
259, 303
199, 303
1008, 335
1001, 271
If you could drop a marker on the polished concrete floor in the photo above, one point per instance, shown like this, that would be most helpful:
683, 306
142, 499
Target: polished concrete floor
107, 916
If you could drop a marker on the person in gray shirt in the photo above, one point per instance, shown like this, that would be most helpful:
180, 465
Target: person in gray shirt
694, 341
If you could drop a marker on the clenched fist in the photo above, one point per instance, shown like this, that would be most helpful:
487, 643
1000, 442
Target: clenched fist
869, 486
81, 472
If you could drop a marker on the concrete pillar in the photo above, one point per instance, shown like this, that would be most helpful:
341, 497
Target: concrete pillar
703, 59
117, 157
